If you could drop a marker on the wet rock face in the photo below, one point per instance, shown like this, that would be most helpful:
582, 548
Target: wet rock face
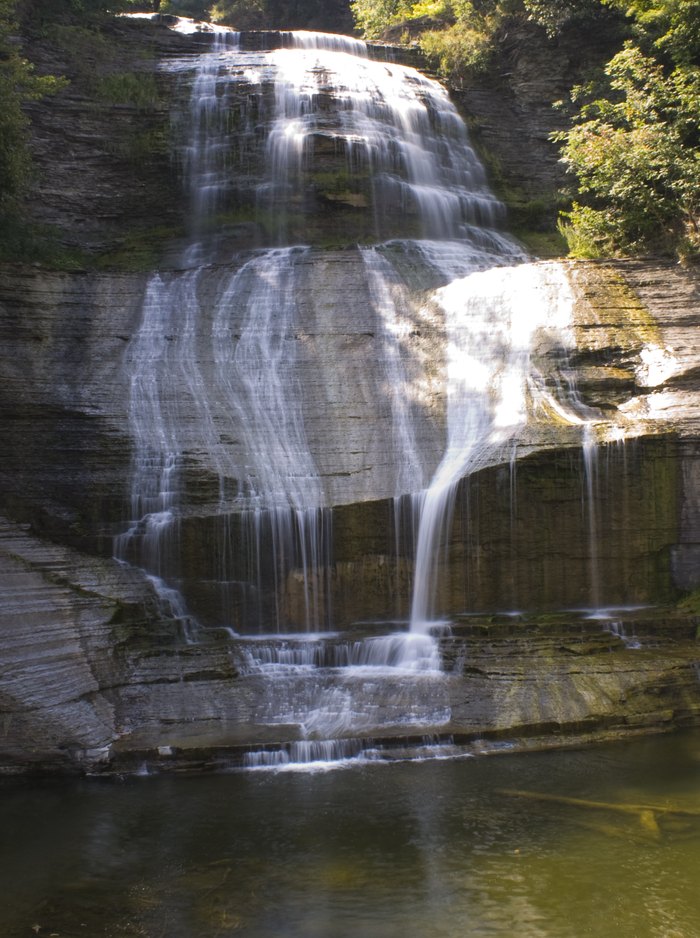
510, 113
527, 537
63, 617
95, 680
95, 673
522, 682
66, 393
548, 531
104, 180
64, 400
110, 152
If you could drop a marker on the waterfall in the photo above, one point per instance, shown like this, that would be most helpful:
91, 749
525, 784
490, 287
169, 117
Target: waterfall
162, 357
279, 487
247, 332
225, 440
218, 367
394, 124
491, 319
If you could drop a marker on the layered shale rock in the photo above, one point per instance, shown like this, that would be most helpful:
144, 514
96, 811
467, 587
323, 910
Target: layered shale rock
62, 618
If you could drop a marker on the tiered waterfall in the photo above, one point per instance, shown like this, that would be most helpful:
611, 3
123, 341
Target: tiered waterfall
219, 371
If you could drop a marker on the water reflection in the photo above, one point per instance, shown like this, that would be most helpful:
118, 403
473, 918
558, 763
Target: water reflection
434, 848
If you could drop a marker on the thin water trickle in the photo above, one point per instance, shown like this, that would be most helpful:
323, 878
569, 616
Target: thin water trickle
590, 503
389, 298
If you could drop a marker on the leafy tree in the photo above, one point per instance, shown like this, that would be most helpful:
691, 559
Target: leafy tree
465, 45
47, 11
332, 15
459, 50
374, 16
198, 9
554, 14
670, 27
636, 152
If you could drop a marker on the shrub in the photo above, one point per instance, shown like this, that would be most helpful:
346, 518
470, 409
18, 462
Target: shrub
636, 155
554, 14
458, 51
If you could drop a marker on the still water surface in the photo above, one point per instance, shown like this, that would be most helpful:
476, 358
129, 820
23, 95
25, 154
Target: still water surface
375, 851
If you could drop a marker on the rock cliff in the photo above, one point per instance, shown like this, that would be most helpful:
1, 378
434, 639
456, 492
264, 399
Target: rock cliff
97, 673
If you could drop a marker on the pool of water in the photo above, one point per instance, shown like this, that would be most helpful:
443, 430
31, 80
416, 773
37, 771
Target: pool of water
437, 848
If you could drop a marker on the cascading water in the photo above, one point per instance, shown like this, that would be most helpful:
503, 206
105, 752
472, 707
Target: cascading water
256, 371
394, 124
248, 332
434, 230
491, 319
162, 360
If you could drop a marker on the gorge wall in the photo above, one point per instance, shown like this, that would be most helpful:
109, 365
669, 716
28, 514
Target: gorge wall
99, 673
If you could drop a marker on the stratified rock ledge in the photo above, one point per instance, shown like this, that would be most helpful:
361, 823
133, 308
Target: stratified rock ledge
96, 681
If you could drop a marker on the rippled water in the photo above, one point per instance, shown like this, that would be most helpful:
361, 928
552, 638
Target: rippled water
407, 849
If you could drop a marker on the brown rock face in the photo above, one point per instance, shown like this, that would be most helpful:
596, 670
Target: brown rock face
105, 181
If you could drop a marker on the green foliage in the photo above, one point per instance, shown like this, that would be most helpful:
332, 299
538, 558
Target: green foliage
140, 90
635, 152
243, 14
139, 148
374, 16
21, 240
554, 14
589, 232
37, 13
458, 19
327, 15
140, 250
19, 84
671, 28
197, 9
457, 35
84, 48
690, 605
458, 50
